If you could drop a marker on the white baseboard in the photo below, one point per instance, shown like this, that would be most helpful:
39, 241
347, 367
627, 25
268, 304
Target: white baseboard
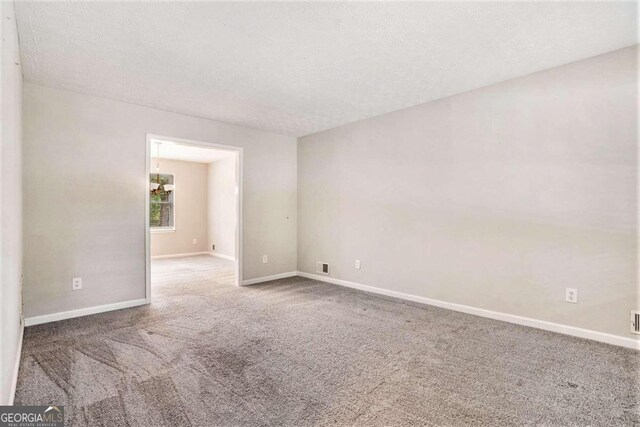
179, 255
269, 278
223, 256
16, 367
54, 317
511, 318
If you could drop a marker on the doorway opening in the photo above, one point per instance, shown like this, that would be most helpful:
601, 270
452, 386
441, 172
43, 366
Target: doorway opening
193, 213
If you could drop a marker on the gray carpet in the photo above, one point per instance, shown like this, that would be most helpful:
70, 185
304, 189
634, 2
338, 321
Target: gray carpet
299, 352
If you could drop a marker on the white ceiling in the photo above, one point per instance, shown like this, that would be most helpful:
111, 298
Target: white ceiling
298, 68
187, 153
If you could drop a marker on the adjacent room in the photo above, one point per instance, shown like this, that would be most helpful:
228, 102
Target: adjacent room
193, 214
319, 213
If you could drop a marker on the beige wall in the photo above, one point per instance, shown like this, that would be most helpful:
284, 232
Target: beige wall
190, 204
91, 151
499, 198
10, 201
221, 176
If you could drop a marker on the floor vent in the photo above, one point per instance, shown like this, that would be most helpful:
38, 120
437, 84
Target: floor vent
322, 267
635, 322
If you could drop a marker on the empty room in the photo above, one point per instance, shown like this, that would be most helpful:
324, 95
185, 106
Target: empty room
193, 215
319, 213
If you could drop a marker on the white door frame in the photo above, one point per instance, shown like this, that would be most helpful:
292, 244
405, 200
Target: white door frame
181, 141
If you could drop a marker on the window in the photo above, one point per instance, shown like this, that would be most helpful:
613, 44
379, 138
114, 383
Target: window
162, 209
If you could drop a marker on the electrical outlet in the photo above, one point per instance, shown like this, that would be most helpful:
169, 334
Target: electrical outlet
571, 295
195, 241
265, 259
76, 283
357, 264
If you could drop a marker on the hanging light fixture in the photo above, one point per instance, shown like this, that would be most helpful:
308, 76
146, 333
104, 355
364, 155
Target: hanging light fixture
157, 188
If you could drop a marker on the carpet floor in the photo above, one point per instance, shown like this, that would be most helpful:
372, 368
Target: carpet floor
297, 352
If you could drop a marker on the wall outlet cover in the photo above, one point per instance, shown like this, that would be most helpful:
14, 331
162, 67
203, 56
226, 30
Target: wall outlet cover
571, 295
76, 283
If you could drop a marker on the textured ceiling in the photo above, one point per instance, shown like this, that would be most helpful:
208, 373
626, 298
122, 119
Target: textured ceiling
298, 68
